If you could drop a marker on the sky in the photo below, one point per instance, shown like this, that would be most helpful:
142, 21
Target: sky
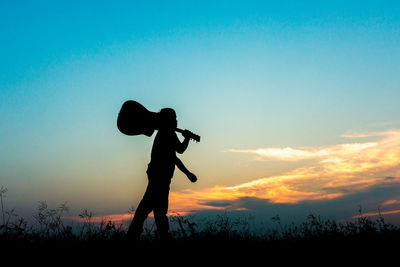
296, 103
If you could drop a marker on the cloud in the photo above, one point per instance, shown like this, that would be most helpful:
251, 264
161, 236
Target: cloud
390, 202
120, 218
334, 172
286, 153
334, 179
371, 214
290, 154
116, 218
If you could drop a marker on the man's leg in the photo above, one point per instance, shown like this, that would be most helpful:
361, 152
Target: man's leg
160, 212
141, 213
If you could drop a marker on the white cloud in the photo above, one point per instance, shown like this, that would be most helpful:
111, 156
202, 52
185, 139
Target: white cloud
336, 171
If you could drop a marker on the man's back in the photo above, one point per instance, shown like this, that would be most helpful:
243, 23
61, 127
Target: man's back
163, 154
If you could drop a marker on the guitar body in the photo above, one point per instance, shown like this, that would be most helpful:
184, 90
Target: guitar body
135, 119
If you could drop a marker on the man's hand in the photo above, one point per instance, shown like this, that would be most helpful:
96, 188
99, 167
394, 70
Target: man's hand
187, 133
192, 177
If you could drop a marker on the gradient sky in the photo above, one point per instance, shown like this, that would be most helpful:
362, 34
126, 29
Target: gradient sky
297, 103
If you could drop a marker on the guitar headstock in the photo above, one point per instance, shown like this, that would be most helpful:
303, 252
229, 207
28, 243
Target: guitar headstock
191, 135
195, 137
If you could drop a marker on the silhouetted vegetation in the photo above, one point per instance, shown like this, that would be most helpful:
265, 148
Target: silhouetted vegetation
214, 235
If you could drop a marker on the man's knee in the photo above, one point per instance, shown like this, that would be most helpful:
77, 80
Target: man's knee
160, 212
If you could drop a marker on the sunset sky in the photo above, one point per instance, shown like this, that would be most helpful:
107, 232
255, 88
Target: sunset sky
296, 103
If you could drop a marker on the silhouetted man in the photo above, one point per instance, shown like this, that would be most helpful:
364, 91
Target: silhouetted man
160, 172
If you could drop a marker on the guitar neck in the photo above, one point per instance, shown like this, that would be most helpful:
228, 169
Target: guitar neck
193, 136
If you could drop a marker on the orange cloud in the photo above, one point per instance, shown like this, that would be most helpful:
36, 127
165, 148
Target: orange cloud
116, 218
335, 171
330, 172
370, 214
121, 218
390, 202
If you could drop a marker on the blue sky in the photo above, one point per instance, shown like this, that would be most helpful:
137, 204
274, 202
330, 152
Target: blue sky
244, 75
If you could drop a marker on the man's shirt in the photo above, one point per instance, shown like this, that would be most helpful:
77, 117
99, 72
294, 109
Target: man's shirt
163, 154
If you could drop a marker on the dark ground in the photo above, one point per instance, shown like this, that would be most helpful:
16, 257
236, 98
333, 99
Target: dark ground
219, 240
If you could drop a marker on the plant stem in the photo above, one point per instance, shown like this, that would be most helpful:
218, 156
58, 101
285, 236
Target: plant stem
2, 209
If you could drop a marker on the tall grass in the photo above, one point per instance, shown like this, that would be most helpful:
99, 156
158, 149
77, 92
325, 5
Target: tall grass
221, 231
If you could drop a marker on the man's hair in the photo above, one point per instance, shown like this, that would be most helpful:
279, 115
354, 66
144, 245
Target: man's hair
167, 118
168, 113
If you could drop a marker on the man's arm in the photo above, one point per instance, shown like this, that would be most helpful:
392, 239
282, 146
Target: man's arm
182, 167
181, 147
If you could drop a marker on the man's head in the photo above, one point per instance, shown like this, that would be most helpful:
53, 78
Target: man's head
168, 119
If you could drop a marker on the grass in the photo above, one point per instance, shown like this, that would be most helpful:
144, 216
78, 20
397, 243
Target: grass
216, 235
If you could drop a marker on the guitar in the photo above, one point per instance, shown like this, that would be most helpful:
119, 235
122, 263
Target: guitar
135, 119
